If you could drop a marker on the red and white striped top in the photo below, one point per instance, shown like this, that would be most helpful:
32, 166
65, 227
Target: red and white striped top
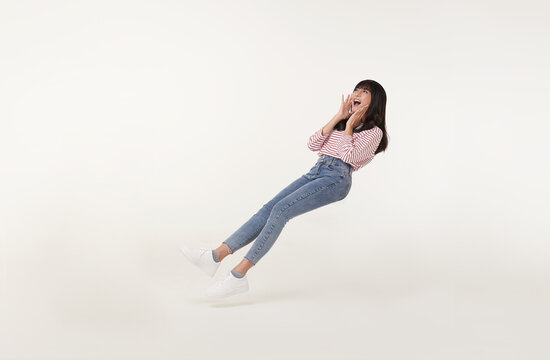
357, 149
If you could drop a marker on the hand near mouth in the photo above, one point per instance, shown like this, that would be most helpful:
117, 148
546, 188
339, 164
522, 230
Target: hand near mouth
357, 117
345, 107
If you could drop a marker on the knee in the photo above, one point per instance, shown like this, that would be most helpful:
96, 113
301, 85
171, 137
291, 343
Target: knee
264, 211
279, 213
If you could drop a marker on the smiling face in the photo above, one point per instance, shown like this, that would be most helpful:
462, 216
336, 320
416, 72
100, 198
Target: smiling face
360, 98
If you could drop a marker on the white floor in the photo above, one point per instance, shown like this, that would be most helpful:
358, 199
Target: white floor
297, 308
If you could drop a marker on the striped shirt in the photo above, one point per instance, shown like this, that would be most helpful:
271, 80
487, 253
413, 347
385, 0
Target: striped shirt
357, 149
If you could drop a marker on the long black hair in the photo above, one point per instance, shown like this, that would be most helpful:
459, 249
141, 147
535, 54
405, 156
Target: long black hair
375, 115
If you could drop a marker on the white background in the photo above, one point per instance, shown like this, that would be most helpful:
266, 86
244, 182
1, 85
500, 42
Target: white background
129, 128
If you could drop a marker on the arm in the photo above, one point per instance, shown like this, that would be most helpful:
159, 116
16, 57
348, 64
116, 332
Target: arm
358, 148
316, 140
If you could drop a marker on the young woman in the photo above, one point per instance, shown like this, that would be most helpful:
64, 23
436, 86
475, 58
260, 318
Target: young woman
348, 142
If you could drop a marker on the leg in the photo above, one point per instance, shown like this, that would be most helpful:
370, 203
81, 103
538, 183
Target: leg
316, 193
250, 230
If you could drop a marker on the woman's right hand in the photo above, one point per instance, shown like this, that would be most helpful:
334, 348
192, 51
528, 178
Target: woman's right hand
345, 106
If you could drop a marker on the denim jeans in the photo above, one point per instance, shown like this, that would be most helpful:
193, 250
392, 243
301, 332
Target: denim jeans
328, 181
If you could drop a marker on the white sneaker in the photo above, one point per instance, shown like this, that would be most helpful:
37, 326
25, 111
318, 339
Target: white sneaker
202, 258
230, 285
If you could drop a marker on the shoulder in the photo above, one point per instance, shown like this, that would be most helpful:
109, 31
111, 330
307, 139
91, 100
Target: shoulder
376, 131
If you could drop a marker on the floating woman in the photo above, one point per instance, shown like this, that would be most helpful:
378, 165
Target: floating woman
348, 142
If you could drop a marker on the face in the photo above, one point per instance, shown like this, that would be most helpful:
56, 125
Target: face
360, 98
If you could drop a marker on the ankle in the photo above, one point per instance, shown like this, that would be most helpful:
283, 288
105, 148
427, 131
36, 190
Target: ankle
237, 274
222, 252
240, 270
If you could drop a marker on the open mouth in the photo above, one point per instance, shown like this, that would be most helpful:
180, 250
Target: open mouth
356, 102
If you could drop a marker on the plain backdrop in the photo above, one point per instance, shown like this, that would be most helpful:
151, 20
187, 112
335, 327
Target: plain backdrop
130, 128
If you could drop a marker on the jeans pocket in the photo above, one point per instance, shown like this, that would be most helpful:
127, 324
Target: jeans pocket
340, 170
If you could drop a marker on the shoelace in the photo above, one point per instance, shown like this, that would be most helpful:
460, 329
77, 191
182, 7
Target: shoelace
220, 283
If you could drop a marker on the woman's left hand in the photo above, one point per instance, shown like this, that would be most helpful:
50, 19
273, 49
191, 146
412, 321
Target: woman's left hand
356, 117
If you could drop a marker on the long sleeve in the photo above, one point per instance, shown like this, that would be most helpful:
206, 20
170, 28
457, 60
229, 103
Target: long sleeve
316, 140
361, 147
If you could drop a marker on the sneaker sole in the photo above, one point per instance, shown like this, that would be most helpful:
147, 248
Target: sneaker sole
217, 297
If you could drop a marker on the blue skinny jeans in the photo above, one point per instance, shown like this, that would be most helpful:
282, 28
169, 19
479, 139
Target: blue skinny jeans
328, 181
